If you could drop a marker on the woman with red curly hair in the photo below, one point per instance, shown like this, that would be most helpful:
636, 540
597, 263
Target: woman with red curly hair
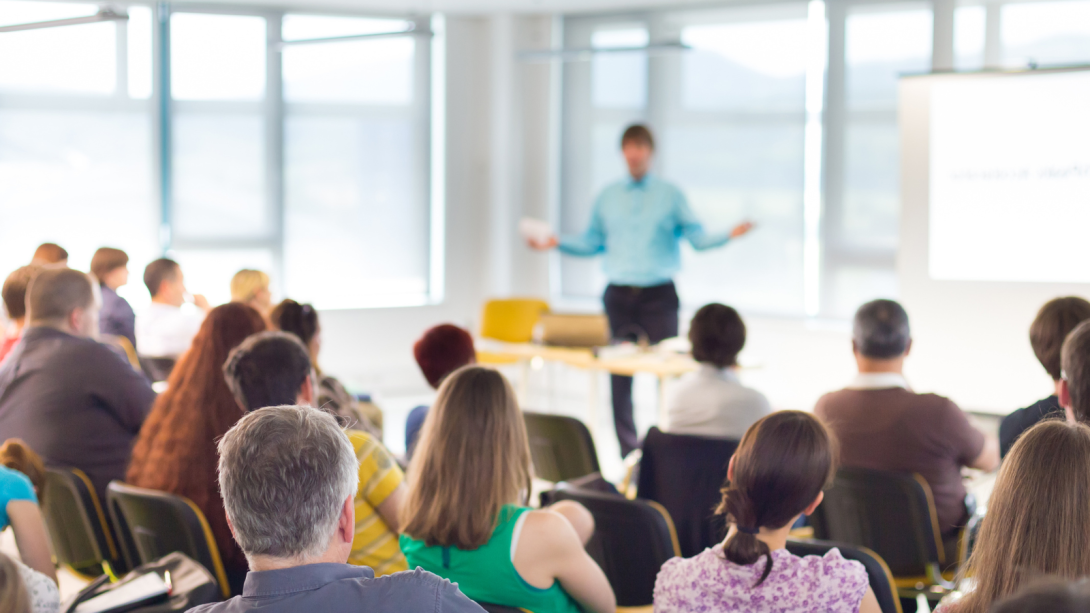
176, 449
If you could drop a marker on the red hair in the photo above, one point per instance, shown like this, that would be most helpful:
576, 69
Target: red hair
176, 449
443, 350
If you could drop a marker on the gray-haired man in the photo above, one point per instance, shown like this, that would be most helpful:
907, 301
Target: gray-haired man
288, 476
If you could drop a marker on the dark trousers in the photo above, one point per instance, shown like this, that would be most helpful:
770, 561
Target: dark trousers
635, 314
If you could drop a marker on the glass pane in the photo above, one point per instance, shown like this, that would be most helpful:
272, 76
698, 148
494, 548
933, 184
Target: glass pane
80, 59
376, 71
1046, 33
81, 179
140, 51
619, 79
756, 65
301, 27
870, 217
732, 172
852, 286
217, 57
353, 198
209, 271
969, 24
219, 176
880, 46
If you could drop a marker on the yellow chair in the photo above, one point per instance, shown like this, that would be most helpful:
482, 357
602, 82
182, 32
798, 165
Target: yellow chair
510, 320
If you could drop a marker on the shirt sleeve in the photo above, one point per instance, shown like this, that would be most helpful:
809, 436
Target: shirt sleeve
960, 436
379, 474
450, 599
692, 230
593, 240
16, 486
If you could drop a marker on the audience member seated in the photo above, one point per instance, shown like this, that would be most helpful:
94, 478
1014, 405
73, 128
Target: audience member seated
1075, 381
883, 425
22, 480
1048, 596
1038, 521
465, 517
50, 254
166, 328
251, 287
111, 268
272, 369
25, 590
14, 293
776, 476
292, 514
442, 350
302, 321
74, 401
1056, 319
712, 402
176, 449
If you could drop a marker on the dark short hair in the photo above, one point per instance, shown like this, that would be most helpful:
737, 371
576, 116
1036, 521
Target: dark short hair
49, 253
55, 292
1054, 595
267, 370
638, 133
107, 260
1056, 319
443, 350
717, 334
163, 269
15, 287
298, 319
880, 330
1075, 359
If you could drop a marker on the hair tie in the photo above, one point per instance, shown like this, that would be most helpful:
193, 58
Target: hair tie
752, 531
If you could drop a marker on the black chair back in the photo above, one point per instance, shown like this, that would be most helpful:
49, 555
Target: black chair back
498, 608
632, 539
684, 474
157, 369
889, 513
160, 523
878, 574
77, 525
561, 447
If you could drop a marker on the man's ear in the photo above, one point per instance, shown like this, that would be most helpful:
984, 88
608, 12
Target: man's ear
231, 527
908, 348
814, 505
306, 392
730, 469
75, 321
346, 526
1065, 394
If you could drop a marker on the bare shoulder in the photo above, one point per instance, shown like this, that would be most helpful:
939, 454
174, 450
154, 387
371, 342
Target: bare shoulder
548, 532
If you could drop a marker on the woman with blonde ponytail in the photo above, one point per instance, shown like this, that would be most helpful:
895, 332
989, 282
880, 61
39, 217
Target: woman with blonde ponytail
778, 473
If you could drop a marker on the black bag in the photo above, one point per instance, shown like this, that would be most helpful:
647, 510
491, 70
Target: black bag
191, 582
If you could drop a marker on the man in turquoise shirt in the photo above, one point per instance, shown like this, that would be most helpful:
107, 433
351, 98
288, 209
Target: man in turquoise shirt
637, 225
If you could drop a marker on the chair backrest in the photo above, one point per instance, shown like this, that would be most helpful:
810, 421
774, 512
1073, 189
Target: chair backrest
498, 608
76, 520
511, 320
878, 573
160, 523
632, 540
157, 369
561, 447
685, 474
892, 514
123, 344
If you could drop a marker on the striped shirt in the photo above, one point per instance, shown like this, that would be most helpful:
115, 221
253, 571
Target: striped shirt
375, 544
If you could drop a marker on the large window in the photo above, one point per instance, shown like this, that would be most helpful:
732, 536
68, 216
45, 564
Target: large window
275, 149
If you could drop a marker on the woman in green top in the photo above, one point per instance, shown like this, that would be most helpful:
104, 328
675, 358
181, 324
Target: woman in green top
465, 517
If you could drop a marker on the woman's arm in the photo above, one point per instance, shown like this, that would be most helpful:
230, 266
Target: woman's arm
869, 603
30, 537
549, 550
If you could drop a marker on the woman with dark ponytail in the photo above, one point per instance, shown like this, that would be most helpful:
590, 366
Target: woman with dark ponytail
778, 473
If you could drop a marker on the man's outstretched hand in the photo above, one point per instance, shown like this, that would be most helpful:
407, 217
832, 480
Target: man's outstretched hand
543, 245
741, 229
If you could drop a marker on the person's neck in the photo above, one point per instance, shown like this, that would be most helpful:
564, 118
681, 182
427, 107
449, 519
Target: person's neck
164, 301
638, 177
329, 556
775, 538
61, 326
871, 366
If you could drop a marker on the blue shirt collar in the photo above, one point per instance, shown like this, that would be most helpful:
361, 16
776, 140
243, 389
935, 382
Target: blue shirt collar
300, 578
641, 184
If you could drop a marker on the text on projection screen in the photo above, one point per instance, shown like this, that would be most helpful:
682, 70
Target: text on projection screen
1010, 178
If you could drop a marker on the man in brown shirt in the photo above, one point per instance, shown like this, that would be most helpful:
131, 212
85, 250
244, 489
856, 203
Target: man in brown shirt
883, 425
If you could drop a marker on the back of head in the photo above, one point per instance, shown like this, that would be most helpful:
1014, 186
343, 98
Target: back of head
638, 133
49, 254
473, 457
442, 350
107, 260
1048, 596
717, 334
286, 505
14, 597
780, 467
267, 370
298, 319
16, 455
1038, 519
163, 269
15, 288
880, 330
1075, 360
1056, 319
247, 283
55, 292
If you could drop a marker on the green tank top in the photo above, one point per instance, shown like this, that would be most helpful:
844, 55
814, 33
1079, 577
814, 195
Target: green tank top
487, 574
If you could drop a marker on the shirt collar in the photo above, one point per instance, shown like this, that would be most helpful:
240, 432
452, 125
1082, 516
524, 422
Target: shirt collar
878, 380
300, 578
642, 183
726, 374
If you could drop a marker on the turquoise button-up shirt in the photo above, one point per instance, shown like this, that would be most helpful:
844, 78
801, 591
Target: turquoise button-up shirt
637, 225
